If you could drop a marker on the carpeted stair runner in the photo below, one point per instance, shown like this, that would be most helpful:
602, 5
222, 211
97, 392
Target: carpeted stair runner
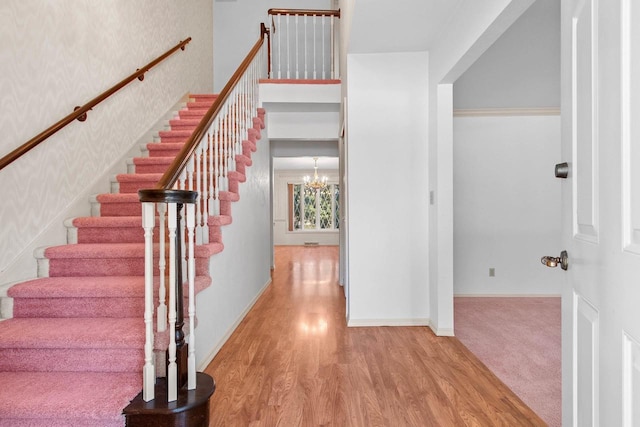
72, 355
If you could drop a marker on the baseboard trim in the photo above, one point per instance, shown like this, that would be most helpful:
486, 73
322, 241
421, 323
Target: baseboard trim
442, 332
205, 362
507, 295
506, 112
356, 323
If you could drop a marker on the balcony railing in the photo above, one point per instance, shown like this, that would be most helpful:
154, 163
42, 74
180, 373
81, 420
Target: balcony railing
304, 44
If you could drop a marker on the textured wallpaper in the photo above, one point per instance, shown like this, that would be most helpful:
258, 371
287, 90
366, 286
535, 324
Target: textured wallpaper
55, 55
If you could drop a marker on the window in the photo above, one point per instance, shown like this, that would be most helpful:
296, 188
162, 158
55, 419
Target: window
311, 209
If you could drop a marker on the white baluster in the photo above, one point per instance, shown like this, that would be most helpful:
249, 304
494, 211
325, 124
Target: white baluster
161, 314
235, 121
288, 49
217, 170
198, 180
323, 47
189, 183
149, 371
296, 19
172, 370
191, 272
306, 74
231, 164
224, 139
333, 52
212, 170
315, 66
203, 204
241, 125
279, 31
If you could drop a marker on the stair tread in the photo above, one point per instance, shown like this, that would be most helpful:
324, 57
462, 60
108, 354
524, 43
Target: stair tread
67, 333
87, 395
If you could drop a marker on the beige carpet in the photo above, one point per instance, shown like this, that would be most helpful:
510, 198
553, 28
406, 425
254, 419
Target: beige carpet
519, 339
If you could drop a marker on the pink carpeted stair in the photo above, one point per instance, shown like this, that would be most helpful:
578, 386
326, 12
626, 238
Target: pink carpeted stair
72, 355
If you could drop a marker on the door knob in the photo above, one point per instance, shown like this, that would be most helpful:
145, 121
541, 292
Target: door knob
551, 261
562, 170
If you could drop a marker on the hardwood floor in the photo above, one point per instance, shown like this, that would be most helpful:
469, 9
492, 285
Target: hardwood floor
293, 362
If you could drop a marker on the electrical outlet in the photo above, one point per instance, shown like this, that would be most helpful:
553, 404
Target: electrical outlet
432, 197
492, 272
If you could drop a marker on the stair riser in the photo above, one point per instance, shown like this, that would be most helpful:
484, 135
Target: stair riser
112, 234
120, 209
117, 234
78, 307
84, 307
71, 359
151, 168
192, 114
79, 267
179, 125
159, 151
133, 187
173, 139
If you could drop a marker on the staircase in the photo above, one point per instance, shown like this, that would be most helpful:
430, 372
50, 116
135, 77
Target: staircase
72, 355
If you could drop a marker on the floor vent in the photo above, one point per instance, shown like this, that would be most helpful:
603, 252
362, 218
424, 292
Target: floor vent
311, 243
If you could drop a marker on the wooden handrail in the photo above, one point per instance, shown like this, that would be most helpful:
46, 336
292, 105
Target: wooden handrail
308, 12
182, 159
80, 112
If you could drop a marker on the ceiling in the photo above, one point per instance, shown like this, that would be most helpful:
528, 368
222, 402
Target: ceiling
402, 25
305, 163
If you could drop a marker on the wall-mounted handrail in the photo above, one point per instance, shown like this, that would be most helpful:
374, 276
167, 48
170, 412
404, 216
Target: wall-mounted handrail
80, 112
182, 159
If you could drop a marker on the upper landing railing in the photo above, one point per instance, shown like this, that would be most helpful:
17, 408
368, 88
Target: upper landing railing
80, 112
304, 44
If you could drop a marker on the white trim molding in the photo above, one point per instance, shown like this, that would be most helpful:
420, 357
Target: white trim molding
507, 112
388, 322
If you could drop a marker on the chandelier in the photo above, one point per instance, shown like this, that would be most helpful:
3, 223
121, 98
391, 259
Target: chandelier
317, 183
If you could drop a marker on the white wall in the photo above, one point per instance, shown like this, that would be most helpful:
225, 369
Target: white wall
499, 220
54, 56
506, 204
521, 69
242, 271
388, 199
476, 27
281, 233
236, 27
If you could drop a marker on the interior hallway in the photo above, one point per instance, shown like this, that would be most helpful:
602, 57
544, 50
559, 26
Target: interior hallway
293, 362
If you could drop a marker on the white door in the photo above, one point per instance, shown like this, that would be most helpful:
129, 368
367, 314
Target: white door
601, 212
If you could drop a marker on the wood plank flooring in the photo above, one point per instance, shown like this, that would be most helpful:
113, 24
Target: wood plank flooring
293, 362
